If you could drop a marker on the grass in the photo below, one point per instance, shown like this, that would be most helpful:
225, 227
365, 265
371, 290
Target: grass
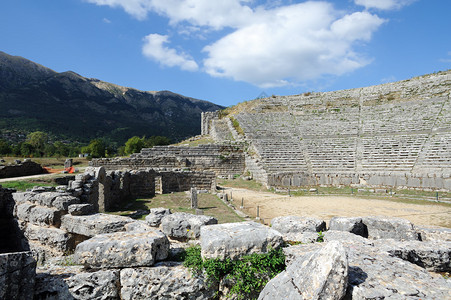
53, 162
22, 186
210, 204
243, 184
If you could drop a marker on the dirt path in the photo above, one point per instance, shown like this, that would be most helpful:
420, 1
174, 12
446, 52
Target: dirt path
325, 207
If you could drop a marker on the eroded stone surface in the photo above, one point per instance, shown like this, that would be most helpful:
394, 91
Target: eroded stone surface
156, 214
184, 225
94, 224
17, 275
123, 249
390, 228
237, 239
295, 224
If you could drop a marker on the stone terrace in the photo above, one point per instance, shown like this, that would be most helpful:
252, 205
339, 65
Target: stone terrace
400, 129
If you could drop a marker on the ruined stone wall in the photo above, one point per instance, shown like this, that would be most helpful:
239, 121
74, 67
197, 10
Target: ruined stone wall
206, 118
223, 160
21, 169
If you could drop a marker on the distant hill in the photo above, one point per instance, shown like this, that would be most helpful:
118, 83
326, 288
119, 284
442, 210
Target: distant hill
69, 106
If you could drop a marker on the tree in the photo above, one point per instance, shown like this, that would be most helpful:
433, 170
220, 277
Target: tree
156, 140
5, 148
38, 140
96, 148
26, 149
134, 145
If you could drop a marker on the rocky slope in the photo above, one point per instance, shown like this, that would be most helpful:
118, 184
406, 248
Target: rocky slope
68, 105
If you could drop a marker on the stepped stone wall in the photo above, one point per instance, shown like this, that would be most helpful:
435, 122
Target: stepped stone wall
223, 160
392, 135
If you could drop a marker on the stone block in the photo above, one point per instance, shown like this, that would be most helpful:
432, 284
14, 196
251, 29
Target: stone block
434, 234
53, 237
353, 225
234, 240
390, 228
94, 224
17, 275
123, 249
81, 209
38, 215
164, 281
184, 225
295, 224
156, 214
321, 275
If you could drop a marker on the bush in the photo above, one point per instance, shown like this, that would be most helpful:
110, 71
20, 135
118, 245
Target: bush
249, 275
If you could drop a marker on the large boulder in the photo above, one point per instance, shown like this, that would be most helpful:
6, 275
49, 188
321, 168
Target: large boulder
433, 256
434, 234
296, 224
38, 215
184, 225
352, 225
322, 275
74, 283
234, 240
156, 214
81, 209
390, 228
94, 224
123, 249
17, 275
164, 281
53, 237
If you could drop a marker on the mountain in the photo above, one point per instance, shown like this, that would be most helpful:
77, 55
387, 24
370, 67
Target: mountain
69, 106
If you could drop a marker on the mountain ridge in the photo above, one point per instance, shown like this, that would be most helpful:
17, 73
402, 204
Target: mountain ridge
69, 106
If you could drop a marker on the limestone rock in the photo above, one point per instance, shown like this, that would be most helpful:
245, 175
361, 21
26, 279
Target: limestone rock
38, 215
81, 209
53, 237
140, 226
184, 225
433, 256
156, 214
294, 224
390, 228
17, 275
164, 281
74, 283
237, 239
301, 237
321, 275
94, 224
123, 249
353, 225
434, 234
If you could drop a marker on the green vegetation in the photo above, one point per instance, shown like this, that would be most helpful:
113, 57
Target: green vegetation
244, 184
23, 185
320, 238
236, 125
247, 276
210, 204
135, 143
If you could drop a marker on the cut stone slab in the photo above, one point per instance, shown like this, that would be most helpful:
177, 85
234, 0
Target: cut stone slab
81, 209
433, 255
321, 275
156, 214
390, 228
17, 275
234, 240
53, 237
94, 224
74, 283
295, 224
352, 225
140, 226
38, 215
123, 249
301, 237
164, 281
184, 225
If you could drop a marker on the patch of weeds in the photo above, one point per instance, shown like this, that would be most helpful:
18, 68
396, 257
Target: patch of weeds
320, 238
249, 274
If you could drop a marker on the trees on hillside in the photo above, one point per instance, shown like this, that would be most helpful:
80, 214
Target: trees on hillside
135, 143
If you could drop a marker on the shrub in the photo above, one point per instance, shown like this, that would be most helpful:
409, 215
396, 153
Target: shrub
249, 275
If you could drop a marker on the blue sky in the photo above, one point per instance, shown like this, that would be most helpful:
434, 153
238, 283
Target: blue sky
228, 51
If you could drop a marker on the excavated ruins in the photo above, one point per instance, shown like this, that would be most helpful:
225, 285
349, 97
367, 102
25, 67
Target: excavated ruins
58, 243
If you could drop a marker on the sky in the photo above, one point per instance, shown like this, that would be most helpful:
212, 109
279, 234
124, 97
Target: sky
230, 51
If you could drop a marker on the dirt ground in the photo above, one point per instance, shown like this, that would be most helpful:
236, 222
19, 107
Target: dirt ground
325, 207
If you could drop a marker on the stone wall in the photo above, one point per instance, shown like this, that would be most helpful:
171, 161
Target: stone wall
206, 118
20, 169
223, 160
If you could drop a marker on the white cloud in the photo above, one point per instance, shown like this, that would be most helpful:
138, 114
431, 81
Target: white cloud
294, 43
384, 4
154, 49
274, 44
107, 21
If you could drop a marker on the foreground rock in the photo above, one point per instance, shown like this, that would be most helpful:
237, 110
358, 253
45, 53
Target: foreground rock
321, 275
390, 228
156, 214
17, 275
184, 225
352, 225
295, 224
75, 283
94, 224
234, 240
123, 249
164, 281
